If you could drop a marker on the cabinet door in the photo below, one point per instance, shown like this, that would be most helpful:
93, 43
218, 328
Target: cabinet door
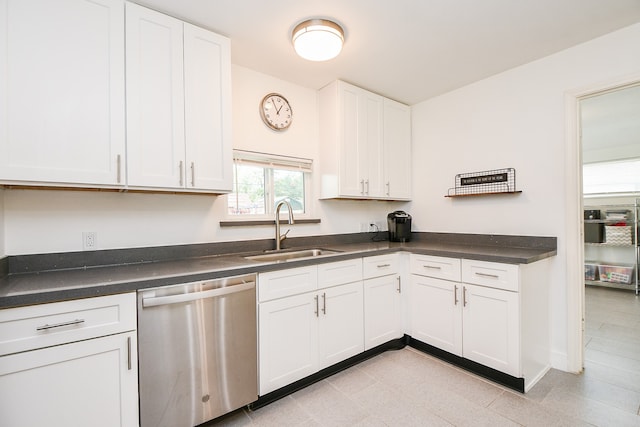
62, 91
340, 326
370, 128
352, 146
207, 76
87, 383
288, 340
155, 99
436, 313
382, 310
491, 328
397, 150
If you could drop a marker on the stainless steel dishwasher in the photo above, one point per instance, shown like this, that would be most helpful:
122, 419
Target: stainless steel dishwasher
197, 345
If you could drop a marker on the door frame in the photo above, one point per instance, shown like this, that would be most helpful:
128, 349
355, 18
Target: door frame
574, 223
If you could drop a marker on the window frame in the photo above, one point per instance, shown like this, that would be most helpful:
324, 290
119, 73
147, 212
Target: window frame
272, 162
609, 172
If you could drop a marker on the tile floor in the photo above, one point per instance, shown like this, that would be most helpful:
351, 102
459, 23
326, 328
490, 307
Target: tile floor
409, 388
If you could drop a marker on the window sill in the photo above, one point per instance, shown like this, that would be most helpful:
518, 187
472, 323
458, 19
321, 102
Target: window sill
251, 223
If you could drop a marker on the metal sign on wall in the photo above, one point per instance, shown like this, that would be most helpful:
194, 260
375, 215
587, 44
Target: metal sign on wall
494, 181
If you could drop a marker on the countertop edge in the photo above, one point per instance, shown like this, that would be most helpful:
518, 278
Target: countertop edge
109, 288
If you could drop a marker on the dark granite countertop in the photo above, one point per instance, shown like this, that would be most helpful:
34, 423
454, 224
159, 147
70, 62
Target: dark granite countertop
40, 279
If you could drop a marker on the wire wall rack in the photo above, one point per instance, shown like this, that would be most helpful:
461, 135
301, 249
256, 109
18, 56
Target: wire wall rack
495, 181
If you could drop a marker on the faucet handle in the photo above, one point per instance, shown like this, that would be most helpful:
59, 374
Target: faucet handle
284, 236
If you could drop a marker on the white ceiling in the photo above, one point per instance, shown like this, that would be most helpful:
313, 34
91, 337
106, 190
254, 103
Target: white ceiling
408, 50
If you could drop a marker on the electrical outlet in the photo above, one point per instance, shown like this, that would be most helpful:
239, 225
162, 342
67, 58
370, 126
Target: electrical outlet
89, 240
364, 226
372, 227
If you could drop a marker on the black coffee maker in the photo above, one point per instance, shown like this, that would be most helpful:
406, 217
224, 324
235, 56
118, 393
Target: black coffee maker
399, 224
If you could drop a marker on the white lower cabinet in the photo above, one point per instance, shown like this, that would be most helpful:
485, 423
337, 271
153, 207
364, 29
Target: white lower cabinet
436, 313
382, 300
288, 346
85, 383
78, 381
302, 333
491, 328
340, 329
479, 312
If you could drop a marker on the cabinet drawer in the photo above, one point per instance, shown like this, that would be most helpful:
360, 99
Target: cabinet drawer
38, 326
283, 283
490, 274
377, 266
435, 266
337, 273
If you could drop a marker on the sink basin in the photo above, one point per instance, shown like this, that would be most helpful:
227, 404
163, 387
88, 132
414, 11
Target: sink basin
287, 255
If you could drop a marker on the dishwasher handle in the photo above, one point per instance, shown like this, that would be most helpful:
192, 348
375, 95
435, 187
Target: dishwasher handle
212, 293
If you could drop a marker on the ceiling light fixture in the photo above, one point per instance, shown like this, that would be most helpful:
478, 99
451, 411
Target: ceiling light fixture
318, 39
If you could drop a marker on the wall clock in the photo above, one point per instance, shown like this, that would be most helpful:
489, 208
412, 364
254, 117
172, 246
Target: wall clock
276, 112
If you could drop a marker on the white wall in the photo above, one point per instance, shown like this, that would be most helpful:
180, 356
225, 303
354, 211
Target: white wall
53, 221
514, 119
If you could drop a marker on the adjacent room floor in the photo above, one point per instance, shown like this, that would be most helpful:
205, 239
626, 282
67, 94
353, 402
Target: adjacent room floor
409, 388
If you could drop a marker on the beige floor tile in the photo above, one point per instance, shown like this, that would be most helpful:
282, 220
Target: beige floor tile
530, 413
627, 349
352, 380
283, 412
609, 359
588, 410
328, 406
395, 408
455, 408
612, 375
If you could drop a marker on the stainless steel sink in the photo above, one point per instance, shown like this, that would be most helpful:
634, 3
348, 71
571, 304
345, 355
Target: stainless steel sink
288, 255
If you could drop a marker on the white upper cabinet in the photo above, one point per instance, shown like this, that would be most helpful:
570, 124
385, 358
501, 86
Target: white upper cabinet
62, 91
397, 150
62, 83
178, 104
207, 72
364, 153
155, 99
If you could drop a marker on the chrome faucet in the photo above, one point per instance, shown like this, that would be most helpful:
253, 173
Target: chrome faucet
280, 238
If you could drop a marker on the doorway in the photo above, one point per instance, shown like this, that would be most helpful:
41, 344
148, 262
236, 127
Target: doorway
608, 145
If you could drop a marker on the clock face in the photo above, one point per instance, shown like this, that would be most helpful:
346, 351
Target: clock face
276, 111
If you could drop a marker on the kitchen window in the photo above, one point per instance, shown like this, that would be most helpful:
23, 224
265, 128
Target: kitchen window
617, 177
261, 181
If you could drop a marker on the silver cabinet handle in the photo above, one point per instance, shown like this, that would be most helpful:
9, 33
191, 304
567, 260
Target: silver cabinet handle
317, 306
324, 303
129, 353
362, 186
193, 174
367, 182
383, 265
181, 167
433, 267
60, 325
399, 285
464, 296
118, 168
492, 276
455, 294
388, 188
